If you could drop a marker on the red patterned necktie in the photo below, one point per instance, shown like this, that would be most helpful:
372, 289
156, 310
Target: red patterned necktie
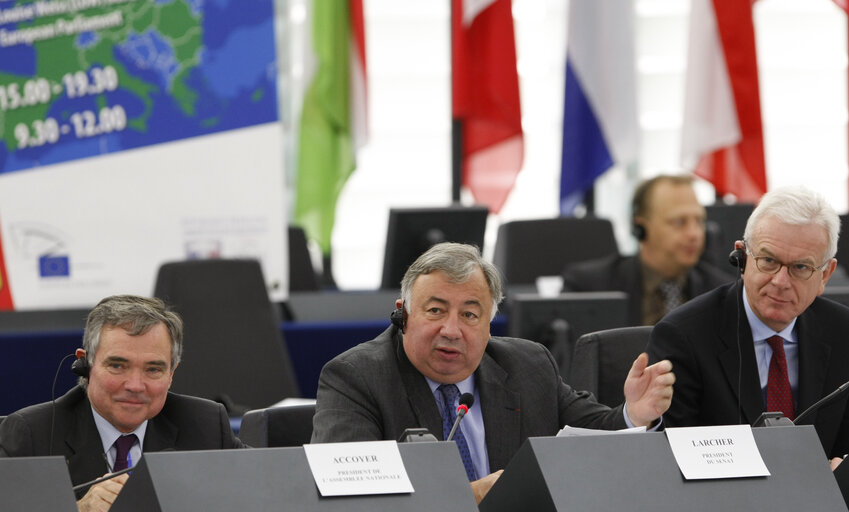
779, 396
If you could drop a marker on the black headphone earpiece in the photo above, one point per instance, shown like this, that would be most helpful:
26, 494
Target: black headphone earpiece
738, 259
80, 367
399, 318
639, 231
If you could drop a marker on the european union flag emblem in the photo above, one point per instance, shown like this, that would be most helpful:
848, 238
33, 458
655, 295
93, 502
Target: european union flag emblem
54, 266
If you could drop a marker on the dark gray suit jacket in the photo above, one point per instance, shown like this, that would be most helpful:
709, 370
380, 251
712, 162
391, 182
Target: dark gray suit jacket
701, 337
373, 392
625, 273
185, 423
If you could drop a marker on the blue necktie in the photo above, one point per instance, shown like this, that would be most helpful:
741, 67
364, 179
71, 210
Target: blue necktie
449, 414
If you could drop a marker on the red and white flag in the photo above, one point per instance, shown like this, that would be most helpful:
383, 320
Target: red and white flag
5, 291
485, 92
722, 134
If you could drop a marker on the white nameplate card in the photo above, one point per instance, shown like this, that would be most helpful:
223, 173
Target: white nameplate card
724, 451
349, 469
568, 431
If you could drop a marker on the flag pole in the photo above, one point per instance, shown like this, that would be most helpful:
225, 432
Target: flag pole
456, 159
456, 123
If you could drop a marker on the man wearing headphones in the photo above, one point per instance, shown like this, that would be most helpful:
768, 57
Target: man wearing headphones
669, 223
439, 346
122, 406
766, 342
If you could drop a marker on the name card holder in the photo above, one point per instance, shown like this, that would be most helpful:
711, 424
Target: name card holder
638, 472
36, 483
279, 479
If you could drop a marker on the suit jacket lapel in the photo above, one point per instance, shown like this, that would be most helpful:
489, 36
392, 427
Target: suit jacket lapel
419, 397
633, 285
85, 456
748, 390
695, 283
813, 360
161, 434
501, 410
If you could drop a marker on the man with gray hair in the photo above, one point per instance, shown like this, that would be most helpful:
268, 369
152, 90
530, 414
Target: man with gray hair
438, 347
766, 342
122, 407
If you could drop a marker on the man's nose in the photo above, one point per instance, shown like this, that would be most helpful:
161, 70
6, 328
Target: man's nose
135, 380
695, 228
450, 327
782, 277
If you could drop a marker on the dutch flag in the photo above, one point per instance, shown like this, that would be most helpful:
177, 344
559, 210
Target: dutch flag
600, 127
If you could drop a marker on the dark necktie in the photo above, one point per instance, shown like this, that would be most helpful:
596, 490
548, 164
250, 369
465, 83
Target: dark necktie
779, 395
123, 445
672, 294
449, 414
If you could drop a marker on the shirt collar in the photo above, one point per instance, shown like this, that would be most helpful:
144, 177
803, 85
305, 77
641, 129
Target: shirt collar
652, 279
465, 386
109, 434
760, 331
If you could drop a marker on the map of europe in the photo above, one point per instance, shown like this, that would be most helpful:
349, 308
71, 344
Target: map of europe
80, 78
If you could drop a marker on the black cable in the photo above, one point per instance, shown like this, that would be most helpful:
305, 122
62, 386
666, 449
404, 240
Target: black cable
739, 357
53, 401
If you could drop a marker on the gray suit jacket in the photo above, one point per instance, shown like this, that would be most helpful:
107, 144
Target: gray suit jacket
185, 423
701, 339
373, 392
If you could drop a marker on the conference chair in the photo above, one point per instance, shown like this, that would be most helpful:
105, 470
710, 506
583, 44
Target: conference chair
233, 350
602, 359
527, 249
302, 275
843, 243
288, 425
725, 225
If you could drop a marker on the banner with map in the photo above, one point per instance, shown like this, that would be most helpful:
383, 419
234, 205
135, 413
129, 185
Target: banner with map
134, 132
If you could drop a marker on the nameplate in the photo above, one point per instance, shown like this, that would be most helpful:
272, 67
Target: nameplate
724, 451
350, 469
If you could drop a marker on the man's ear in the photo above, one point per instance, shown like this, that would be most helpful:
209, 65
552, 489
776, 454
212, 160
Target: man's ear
827, 272
171, 375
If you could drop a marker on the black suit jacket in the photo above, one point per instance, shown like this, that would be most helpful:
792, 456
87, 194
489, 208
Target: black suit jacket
185, 423
625, 273
701, 339
373, 392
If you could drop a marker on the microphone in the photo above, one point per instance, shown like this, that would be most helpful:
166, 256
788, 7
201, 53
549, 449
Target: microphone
103, 478
466, 400
822, 402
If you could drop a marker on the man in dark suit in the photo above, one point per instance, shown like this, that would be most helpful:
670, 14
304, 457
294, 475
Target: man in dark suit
669, 224
122, 407
439, 346
767, 342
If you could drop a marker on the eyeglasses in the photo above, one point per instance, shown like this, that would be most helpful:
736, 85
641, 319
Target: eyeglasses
770, 265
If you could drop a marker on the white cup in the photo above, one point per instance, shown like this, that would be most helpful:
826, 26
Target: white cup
549, 286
